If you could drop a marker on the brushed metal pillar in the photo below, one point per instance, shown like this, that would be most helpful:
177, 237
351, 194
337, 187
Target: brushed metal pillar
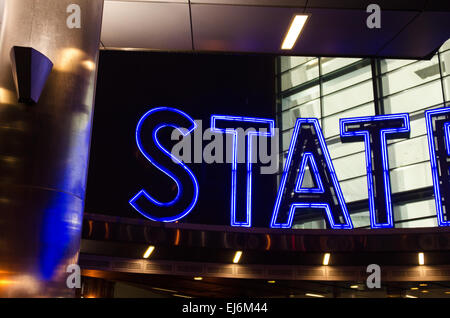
44, 148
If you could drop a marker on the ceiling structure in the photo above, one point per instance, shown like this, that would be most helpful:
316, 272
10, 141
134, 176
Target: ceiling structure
179, 286
116, 244
412, 29
409, 28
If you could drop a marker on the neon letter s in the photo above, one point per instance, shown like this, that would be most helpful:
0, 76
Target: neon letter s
149, 146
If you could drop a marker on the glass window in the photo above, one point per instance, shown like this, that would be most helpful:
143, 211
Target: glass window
410, 76
301, 97
360, 219
413, 99
355, 189
284, 156
411, 177
414, 210
339, 149
348, 79
351, 166
445, 63
447, 88
409, 151
307, 110
348, 98
299, 75
289, 62
430, 222
418, 126
389, 65
331, 64
307, 181
316, 224
330, 125
445, 46
286, 139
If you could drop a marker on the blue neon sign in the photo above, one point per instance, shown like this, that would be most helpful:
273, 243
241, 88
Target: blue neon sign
146, 204
308, 157
438, 123
307, 152
269, 125
374, 131
290, 194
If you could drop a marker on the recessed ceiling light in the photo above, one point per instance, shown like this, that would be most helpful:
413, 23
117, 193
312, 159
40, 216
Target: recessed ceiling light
149, 251
314, 295
414, 288
198, 278
354, 286
423, 285
294, 31
410, 296
181, 296
237, 257
326, 259
271, 281
164, 290
421, 259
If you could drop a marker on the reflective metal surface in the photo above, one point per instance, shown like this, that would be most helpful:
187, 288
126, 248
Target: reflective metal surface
321, 273
103, 228
44, 148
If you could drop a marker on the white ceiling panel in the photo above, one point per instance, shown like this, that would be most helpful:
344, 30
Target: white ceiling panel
149, 25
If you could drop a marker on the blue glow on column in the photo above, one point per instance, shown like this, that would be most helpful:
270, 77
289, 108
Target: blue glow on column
250, 135
347, 224
429, 114
309, 157
142, 193
368, 152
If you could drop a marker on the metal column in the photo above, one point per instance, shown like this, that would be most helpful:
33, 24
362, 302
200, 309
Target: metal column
44, 148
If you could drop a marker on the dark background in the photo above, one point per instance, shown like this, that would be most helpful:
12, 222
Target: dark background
131, 83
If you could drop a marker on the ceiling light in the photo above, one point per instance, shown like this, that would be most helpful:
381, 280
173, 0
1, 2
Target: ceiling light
198, 278
181, 296
424, 291
354, 286
421, 259
410, 296
423, 285
149, 251
326, 259
294, 31
447, 292
314, 295
414, 288
164, 290
237, 257
271, 281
